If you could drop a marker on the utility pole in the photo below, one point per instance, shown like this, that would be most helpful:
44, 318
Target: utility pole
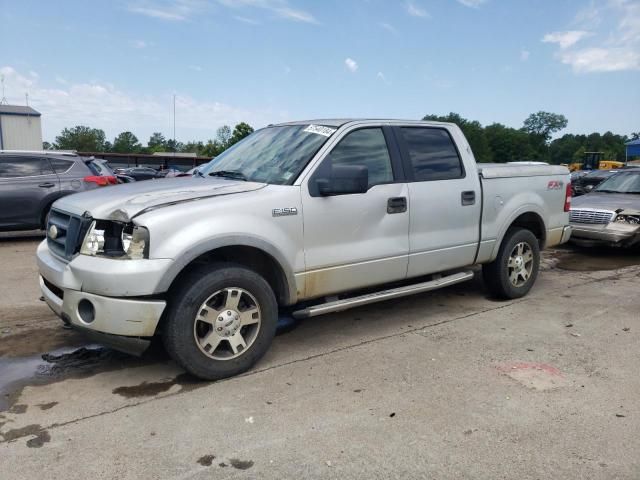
174, 123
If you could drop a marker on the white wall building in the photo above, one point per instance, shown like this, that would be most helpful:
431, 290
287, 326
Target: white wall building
20, 128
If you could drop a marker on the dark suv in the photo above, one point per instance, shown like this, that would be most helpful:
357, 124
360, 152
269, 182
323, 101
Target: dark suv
31, 181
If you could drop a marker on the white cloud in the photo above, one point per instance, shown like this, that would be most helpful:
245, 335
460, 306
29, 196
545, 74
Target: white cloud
472, 3
248, 20
195, 68
602, 59
609, 38
382, 77
140, 44
565, 39
351, 65
415, 10
388, 27
170, 10
280, 8
102, 105
524, 55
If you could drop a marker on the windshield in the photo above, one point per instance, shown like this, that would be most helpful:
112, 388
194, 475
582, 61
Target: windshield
273, 155
623, 182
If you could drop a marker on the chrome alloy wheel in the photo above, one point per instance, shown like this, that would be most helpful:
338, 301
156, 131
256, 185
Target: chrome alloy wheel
227, 323
520, 264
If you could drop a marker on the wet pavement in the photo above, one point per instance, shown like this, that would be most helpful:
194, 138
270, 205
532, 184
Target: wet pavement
449, 384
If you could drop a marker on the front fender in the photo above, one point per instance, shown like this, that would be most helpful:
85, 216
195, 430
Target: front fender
210, 244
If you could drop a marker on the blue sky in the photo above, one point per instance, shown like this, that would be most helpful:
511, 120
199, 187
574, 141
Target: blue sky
116, 64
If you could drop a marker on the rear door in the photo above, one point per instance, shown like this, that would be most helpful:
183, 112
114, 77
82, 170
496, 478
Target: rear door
444, 201
26, 183
356, 240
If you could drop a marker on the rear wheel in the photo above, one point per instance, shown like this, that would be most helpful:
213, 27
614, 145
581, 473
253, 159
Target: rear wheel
220, 321
515, 269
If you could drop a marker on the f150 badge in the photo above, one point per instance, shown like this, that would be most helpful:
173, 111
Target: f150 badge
555, 185
283, 212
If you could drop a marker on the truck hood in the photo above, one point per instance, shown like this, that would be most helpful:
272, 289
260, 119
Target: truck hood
123, 202
607, 201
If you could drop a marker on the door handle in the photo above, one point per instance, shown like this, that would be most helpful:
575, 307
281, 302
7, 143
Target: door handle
397, 205
46, 185
468, 197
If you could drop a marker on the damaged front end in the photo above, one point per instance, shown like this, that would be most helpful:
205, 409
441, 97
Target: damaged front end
622, 231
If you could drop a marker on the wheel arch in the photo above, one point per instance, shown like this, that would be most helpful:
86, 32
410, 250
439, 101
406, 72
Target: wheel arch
255, 254
528, 218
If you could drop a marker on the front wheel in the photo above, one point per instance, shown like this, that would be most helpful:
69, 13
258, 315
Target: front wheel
515, 269
220, 321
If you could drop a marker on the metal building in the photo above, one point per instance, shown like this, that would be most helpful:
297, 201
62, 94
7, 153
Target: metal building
20, 128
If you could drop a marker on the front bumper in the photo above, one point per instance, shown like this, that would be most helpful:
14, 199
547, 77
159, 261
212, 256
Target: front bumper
613, 233
111, 307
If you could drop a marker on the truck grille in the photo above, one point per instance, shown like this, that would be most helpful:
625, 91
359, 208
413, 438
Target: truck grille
71, 230
593, 217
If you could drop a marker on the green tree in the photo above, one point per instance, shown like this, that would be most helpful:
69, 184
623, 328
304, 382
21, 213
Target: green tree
82, 139
47, 146
126, 142
223, 136
157, 143
212, 148
509, 145
240, 131
544, 124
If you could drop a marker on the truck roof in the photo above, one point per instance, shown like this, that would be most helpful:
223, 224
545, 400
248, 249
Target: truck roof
338, 122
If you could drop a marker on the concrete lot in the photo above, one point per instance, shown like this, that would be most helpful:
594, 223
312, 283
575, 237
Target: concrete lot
448, 384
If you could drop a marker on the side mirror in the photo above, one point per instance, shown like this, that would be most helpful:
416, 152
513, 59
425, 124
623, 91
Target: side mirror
343, 180
588, 188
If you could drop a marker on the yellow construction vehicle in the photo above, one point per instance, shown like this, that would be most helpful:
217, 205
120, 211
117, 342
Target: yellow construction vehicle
594, 161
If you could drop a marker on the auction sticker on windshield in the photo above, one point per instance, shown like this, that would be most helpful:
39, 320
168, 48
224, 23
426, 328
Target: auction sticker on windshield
320, 130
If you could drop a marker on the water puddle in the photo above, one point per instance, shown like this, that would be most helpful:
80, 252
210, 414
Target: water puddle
19, 372
595, 259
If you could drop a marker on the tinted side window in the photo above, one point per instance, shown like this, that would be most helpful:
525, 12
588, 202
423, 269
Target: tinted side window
24, 167
59, 165
432, 153
365, 147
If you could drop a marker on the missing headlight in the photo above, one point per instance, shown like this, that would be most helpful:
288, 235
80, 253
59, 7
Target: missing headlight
116, 240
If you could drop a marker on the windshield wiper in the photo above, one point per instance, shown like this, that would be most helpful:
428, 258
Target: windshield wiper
228, 174
607, 191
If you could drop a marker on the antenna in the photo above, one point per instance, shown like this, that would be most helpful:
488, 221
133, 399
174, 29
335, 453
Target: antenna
3, 100
174, 123
26, 98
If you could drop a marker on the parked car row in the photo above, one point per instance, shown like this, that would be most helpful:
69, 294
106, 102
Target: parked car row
30, 181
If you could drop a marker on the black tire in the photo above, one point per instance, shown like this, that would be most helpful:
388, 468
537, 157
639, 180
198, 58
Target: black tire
496, 274
178, 333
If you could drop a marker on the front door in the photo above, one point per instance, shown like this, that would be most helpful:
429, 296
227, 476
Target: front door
357, 240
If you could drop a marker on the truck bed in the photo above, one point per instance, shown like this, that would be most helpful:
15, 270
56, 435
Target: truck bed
508, 170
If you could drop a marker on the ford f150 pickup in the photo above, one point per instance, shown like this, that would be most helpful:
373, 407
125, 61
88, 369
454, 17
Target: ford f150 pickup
305, 218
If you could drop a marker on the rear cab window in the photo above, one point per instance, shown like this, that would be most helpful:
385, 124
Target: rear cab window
430, 154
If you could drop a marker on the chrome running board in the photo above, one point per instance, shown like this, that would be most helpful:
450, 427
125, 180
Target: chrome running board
339, 305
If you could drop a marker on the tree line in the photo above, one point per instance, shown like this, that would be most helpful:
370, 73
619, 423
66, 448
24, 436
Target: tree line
533, 142
86, 139
491, 143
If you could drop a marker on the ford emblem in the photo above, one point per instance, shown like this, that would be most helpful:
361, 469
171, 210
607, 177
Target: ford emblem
53, 232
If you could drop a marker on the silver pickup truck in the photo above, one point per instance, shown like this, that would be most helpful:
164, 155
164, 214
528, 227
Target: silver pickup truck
304, 218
